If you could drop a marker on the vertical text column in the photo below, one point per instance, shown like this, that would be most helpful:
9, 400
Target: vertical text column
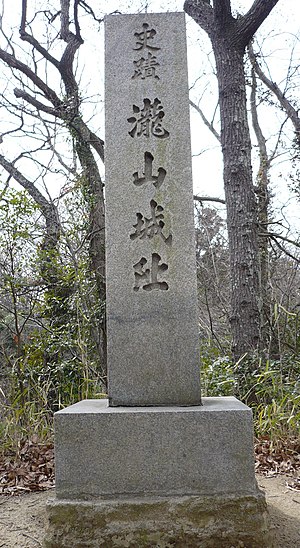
153, 351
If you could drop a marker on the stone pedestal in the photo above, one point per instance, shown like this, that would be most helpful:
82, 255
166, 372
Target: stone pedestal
156, 476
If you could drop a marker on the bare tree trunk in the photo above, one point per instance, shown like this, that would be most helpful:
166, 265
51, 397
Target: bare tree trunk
269, 335
229, 37
240, 200
262, 193
94, 195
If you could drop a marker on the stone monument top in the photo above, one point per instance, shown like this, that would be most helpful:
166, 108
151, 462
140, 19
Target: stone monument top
153, 347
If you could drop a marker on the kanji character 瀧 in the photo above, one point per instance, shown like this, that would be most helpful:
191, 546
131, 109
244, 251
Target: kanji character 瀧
148, 120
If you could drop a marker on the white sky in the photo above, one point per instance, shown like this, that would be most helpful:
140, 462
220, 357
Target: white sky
277, 34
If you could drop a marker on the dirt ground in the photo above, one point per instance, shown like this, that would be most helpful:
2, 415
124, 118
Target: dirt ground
23, 518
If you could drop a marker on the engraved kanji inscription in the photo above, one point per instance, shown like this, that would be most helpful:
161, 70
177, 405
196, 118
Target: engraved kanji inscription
146, 68
148, 227
148, 279
143, 38
148, 120
147, 177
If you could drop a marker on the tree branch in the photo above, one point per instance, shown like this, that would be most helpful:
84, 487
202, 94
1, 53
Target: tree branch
284, 238
48, 208
250, 23
45, 53
76, 22
222, 11
31, 40
14, 63
89, 10
25, 183
64, 19
208, 199
201, 12
206, 122
272, 86
256, 126
282, 248
73, 42
74, 122
87, 135
65, 67
21, 94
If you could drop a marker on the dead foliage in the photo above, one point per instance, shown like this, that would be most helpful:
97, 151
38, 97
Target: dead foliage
279, 457
30, 469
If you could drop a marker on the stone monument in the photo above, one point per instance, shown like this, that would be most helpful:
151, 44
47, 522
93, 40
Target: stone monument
153, 347
152, 465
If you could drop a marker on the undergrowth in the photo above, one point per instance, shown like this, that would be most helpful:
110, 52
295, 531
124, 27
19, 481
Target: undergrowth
27, 407
270, 388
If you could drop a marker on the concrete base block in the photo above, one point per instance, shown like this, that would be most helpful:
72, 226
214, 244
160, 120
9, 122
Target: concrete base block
179, 522
156, 476
103, 451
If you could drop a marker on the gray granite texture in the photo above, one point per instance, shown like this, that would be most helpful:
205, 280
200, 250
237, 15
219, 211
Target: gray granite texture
108, 452
152, 324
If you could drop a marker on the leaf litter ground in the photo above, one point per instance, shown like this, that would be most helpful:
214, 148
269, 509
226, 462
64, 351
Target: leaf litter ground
30, 473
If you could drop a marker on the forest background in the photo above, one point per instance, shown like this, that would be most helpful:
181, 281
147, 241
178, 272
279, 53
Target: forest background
52, 214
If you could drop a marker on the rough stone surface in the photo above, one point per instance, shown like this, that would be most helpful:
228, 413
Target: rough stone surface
153, 347
154, 451
181, 522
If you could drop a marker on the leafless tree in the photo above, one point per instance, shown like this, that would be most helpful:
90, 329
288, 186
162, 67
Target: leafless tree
229, 37
47, 93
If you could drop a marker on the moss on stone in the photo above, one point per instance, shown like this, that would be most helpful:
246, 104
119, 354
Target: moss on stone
175, 522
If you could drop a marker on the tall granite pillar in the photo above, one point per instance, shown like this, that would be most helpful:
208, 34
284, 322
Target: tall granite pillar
153, 347
150, 466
